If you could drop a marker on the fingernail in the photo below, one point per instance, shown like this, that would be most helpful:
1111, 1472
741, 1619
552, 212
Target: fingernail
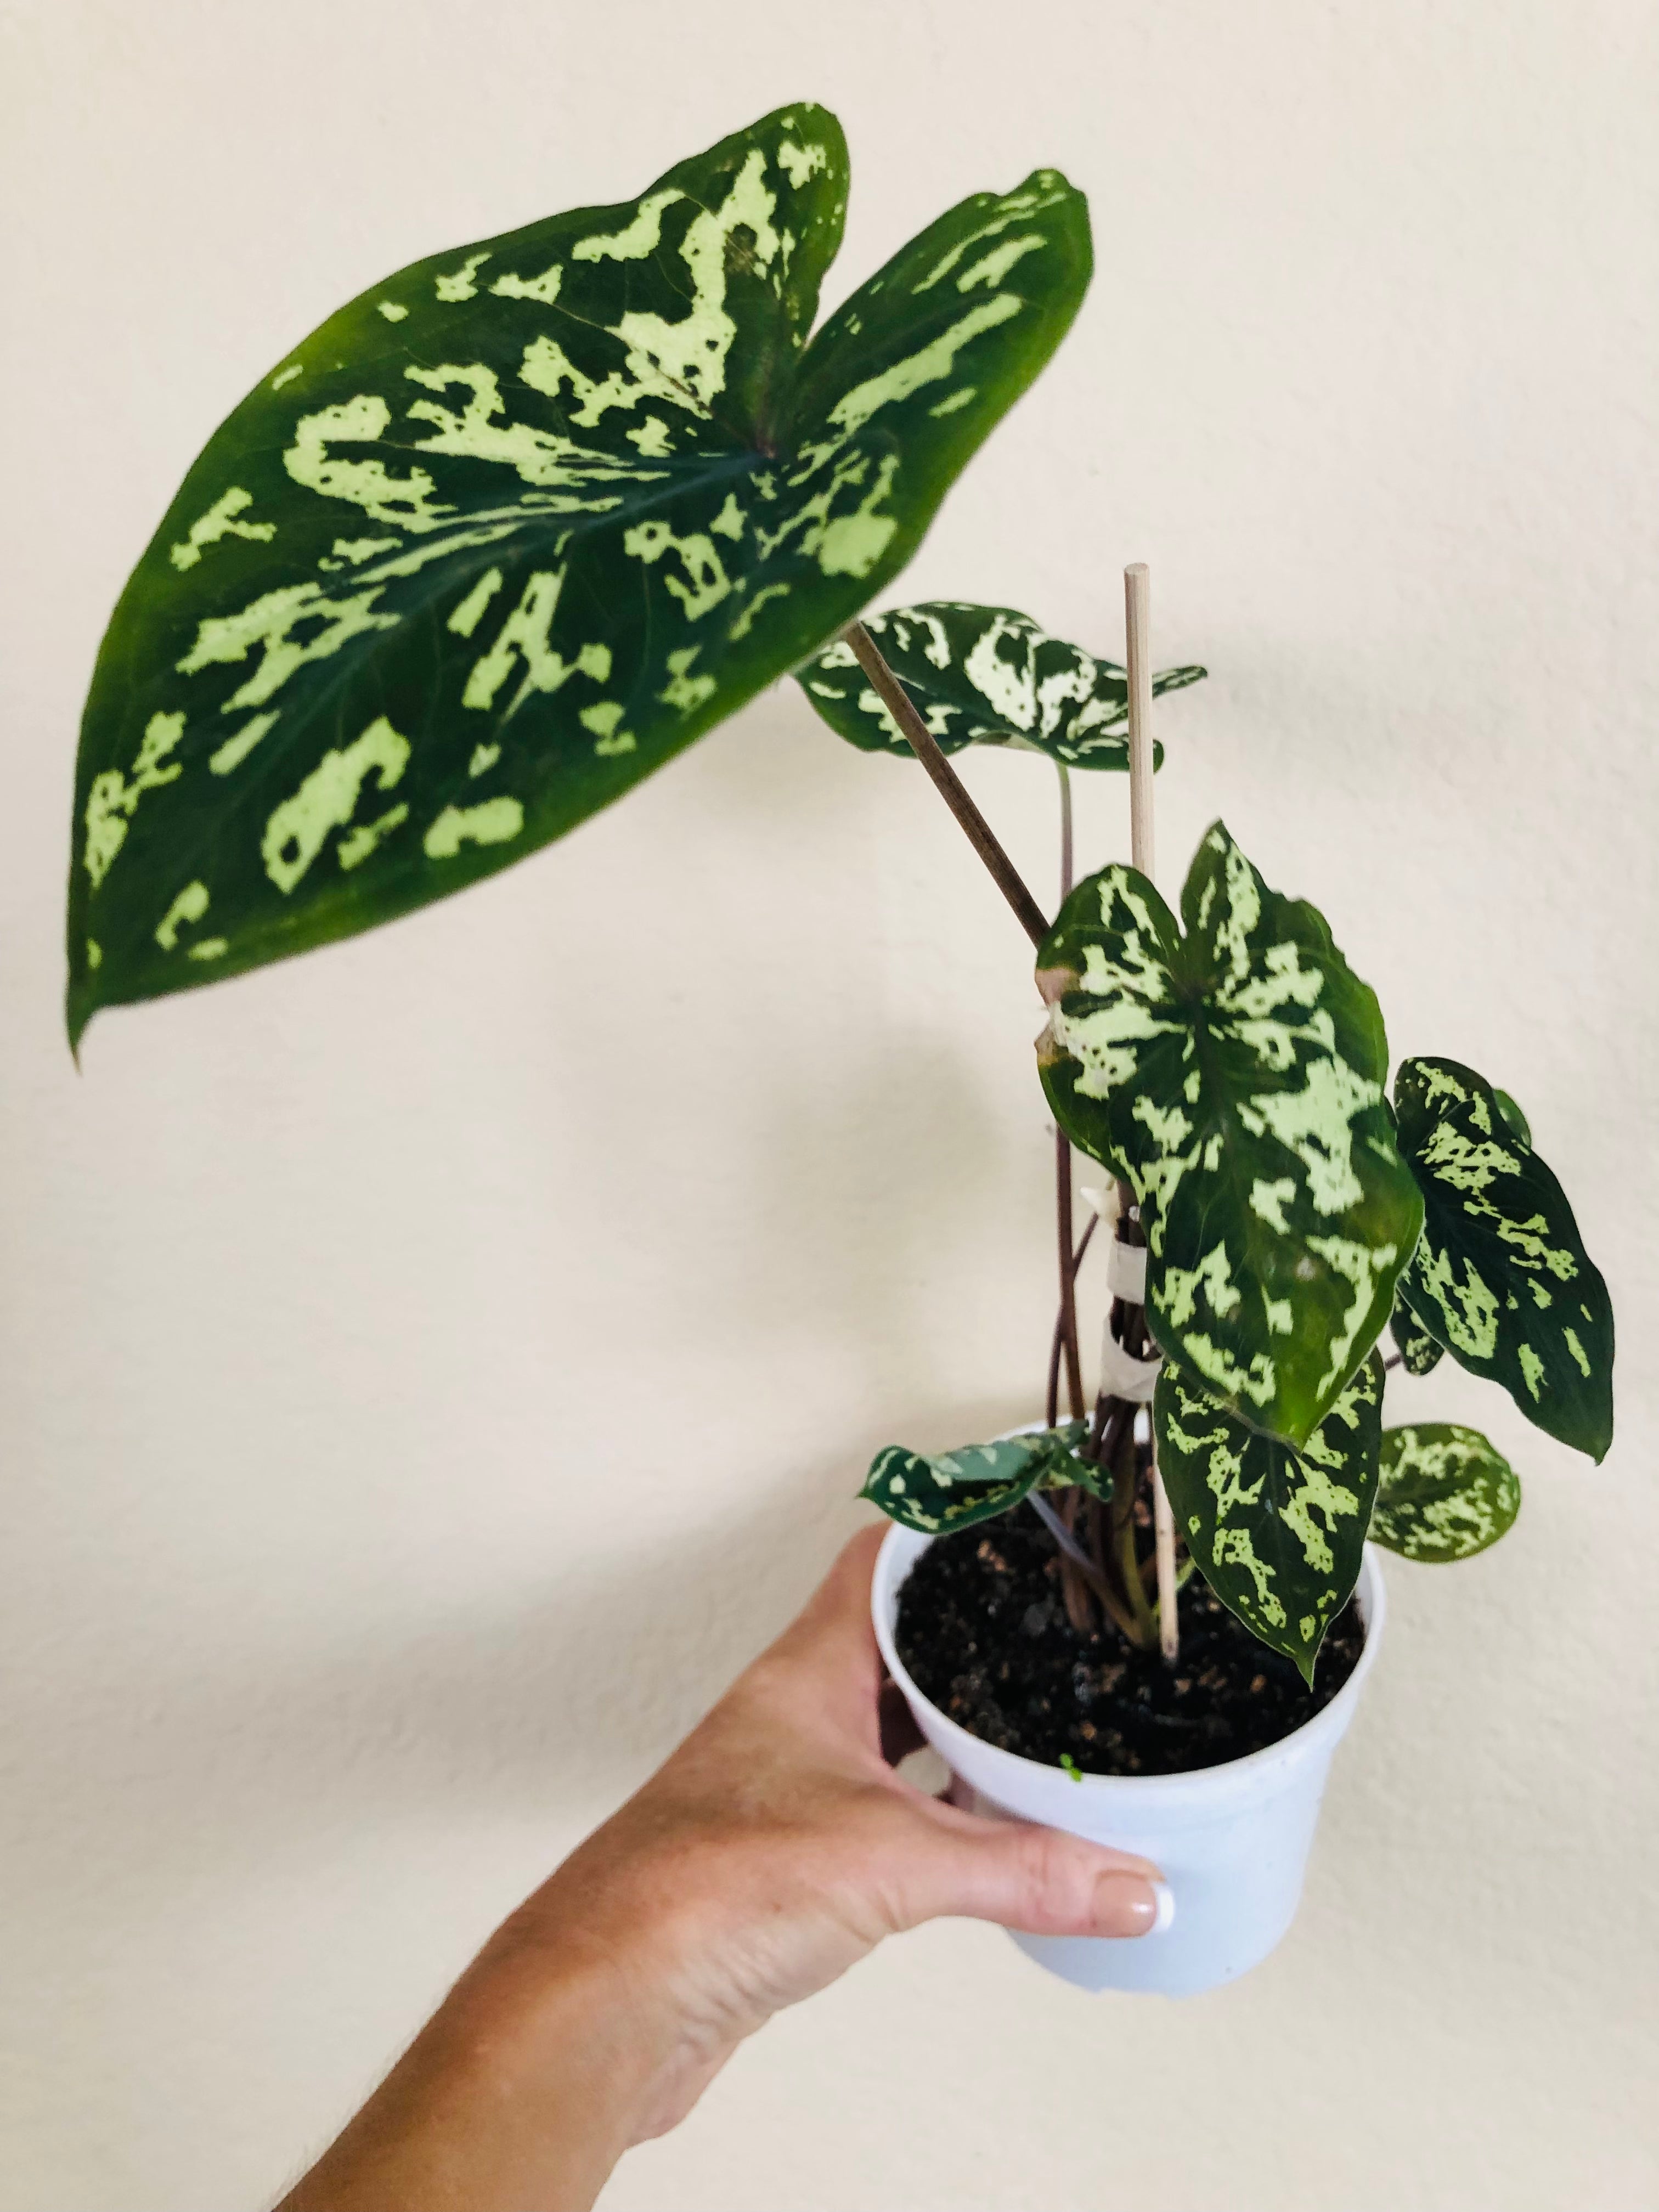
1129, 1904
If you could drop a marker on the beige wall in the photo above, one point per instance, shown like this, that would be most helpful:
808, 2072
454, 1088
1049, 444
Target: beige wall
431, 1367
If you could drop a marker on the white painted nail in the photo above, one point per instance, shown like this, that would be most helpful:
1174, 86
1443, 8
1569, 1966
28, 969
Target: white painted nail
1165, 1912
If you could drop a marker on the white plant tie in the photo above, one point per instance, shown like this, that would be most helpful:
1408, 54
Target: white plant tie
1126, 1272
1101, 1198
1123, 1375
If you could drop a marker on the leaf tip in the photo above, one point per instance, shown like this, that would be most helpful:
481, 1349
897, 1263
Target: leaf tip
79, 1007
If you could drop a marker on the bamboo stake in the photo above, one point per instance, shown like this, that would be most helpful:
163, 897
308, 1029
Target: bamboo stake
1063, 1162
1137, 609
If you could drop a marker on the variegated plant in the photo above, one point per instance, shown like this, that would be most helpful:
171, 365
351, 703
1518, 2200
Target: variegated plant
1230, 1070
523, 521
515, 526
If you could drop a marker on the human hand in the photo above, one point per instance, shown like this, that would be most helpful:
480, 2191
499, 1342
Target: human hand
775, 1849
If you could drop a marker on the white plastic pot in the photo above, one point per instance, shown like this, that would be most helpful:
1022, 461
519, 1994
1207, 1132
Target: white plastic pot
1232, 1840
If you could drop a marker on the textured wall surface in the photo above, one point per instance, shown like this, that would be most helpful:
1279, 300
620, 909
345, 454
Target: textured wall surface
431, 1367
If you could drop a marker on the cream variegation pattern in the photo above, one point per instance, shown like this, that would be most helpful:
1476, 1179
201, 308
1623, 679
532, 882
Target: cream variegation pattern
1419, 1352
1278, 1531
1501, 1277
975, 1482
1231, 1072
1445, 1494
983, 676
514, 528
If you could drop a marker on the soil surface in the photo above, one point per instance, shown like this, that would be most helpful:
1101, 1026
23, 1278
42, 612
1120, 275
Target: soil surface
982, 1630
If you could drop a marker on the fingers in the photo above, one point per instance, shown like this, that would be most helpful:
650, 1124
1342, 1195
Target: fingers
1037, 1879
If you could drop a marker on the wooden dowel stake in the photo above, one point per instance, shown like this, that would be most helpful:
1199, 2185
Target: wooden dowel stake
1136, 612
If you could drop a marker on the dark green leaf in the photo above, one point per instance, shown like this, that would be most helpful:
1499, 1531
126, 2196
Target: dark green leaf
1278, 1531
976, 1481
956, 1488
1444, 1494
983, 676
514, 527
1502, 1278
1419, 1352
1514, 1119
1233, 1076
1063, 1468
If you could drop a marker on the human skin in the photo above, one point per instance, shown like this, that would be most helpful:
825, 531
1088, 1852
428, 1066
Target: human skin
772, 1852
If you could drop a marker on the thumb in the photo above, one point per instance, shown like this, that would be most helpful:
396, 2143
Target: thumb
1039, 1881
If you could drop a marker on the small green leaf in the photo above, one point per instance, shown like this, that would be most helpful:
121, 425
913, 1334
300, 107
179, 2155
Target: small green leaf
983, 676
1445, 1492
976, 1481
1069, 1766
956, 1488
1063, 1467
1279, 1532
1419, 1352
1501, 1277
512, 529
1233, 1076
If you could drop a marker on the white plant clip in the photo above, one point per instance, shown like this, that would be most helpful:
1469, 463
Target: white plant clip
1126, 1272
1101, 1198
1123, 1375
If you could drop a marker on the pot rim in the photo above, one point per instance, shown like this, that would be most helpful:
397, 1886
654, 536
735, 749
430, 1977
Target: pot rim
1330, 1719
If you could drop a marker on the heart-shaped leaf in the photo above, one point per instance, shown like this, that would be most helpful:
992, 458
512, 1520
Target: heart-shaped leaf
1445, 1492
1278, 1531
1419, 1353
514, 527
1501, 1277
983, 676
1233, 1076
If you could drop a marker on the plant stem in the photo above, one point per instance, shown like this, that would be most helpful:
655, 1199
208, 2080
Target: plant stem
899, 705
1125, 1487
1067, 1275
1052, 1400
1094, 1576
1074, 1583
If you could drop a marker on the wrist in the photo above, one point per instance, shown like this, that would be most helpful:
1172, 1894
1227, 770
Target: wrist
550, 2018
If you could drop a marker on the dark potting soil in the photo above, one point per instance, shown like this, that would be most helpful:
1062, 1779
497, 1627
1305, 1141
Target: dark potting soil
982, 1629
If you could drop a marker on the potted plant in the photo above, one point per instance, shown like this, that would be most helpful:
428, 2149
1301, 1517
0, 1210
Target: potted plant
1272, 1213
517, 526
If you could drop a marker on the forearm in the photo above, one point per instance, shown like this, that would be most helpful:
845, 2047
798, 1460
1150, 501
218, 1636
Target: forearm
775, 1849
523, 2091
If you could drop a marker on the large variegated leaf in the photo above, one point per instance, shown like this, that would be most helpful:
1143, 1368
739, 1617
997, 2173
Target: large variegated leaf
514, 527
1445, 1492
983, 676
975, 1482
1419, 1352
1501, 1277
1232, 1074
1278, 1531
